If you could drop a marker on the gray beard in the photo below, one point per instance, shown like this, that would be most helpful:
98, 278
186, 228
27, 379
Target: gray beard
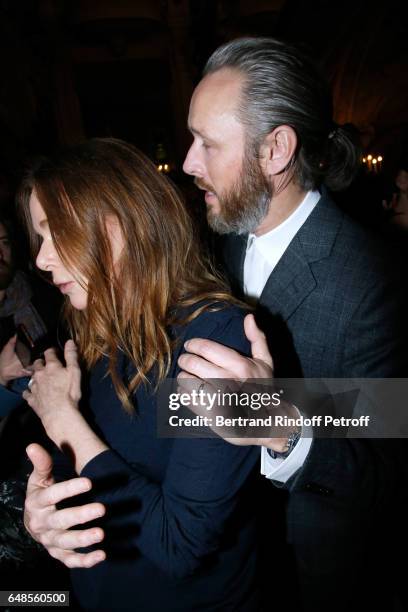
246, 220
244, 207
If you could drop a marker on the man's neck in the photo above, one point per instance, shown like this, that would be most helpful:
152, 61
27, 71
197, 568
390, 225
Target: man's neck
281, 207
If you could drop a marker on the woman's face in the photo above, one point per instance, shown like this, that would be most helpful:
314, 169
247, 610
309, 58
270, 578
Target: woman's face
69, 282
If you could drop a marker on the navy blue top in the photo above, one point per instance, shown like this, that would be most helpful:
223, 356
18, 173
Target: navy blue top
179, 524
11, 399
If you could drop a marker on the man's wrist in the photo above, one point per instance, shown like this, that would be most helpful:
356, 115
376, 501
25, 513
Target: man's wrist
291, 441
286, 441
275, 444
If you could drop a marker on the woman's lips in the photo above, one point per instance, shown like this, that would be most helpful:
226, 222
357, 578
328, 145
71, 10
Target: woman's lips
64, 287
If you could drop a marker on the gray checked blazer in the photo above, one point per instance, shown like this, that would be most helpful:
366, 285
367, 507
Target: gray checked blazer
333, 307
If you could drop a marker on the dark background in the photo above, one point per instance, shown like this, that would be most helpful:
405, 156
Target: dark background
72, 69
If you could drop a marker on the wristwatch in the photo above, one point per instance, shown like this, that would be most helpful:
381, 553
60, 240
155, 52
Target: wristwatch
291, 442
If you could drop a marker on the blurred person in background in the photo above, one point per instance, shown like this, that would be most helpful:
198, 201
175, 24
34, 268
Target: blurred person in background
29, 312
397, 207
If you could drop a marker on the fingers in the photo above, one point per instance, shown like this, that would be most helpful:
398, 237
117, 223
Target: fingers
62, 490
78, 515
72, 539
38, 365
217, 361
50, 356
73, 559
28, 397
184, 379
42, 464
256, 337
70, 354
10, 362
8, 349
197, 367
9, 346
186, 383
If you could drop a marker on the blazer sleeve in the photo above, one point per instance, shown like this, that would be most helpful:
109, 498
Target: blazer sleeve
364, 473
377, 336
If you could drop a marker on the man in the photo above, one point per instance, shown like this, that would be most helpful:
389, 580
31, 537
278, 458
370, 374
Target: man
264, 144
22, 307
19, 307
25, 310
15, 309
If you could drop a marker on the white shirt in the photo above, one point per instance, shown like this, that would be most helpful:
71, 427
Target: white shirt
262, 255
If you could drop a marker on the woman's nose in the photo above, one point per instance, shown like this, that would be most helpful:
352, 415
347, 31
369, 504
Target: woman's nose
44, 259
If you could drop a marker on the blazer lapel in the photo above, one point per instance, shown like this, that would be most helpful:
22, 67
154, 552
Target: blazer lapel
292, 280
289, 284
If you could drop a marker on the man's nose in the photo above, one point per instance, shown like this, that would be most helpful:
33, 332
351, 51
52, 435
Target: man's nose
192, 164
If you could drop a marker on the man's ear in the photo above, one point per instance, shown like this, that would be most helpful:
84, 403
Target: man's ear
277, 150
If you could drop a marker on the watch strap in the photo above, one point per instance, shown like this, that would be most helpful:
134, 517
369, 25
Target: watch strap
291, 442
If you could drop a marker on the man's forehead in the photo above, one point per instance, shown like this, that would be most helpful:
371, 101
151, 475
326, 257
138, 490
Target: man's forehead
215, 99
219, 89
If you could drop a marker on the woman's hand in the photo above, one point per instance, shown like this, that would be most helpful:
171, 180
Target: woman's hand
57, 529
10, 365
55, 389
54, 394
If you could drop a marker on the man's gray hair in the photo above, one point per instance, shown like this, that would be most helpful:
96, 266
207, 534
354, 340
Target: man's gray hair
282, 86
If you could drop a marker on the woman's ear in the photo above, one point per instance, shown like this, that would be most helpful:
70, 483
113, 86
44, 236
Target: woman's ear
277, 150
115, 236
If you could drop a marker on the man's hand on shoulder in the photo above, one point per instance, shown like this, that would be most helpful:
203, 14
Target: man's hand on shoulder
205, 360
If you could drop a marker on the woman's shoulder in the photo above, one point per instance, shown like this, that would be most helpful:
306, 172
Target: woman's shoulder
218, 321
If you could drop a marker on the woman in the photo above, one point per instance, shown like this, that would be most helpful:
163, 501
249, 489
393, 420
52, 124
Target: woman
178, 532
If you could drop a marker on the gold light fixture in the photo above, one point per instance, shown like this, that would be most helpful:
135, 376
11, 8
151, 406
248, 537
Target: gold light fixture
162, 163
373, 163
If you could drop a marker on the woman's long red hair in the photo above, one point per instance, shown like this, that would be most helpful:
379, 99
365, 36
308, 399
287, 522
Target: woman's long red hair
161, 270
